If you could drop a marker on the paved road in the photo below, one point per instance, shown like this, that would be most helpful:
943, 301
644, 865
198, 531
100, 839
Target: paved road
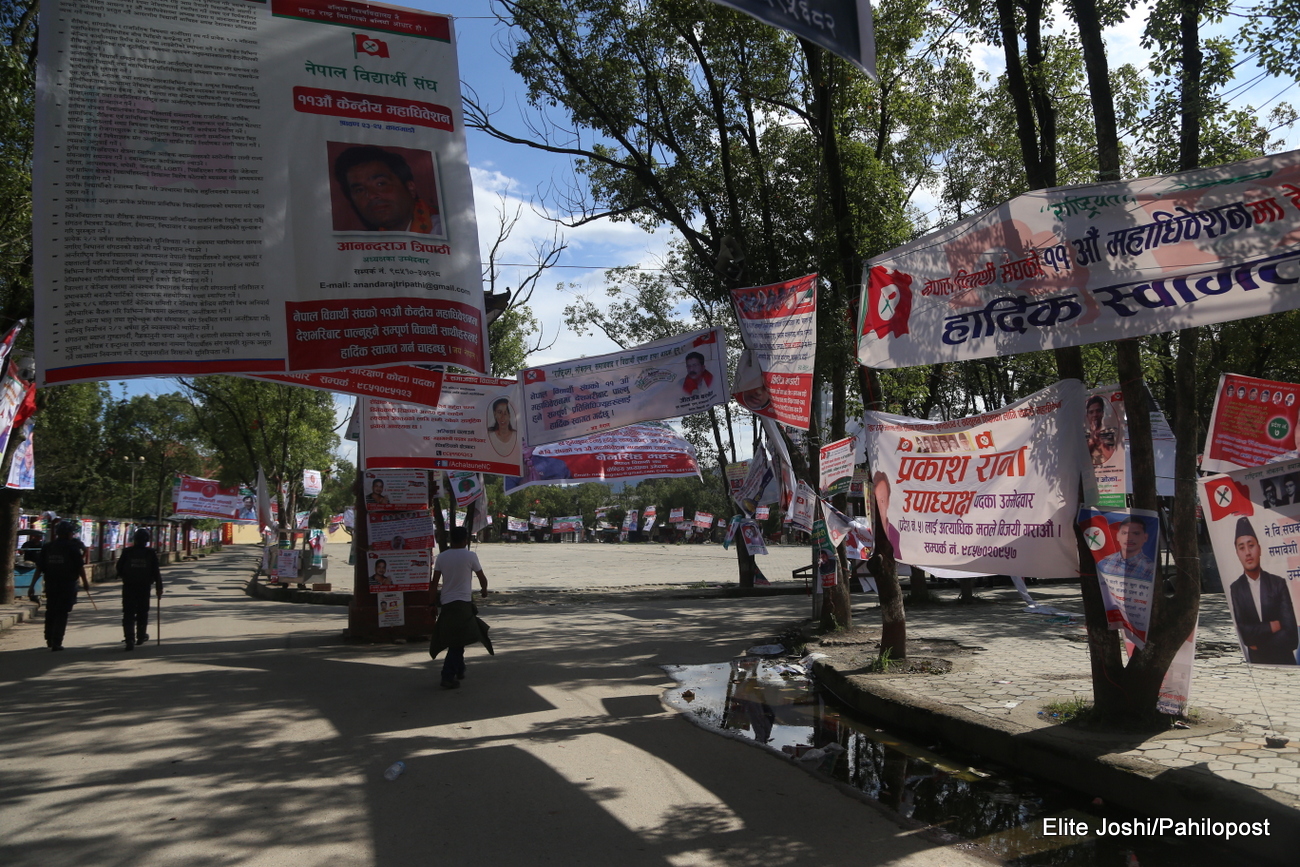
253, 736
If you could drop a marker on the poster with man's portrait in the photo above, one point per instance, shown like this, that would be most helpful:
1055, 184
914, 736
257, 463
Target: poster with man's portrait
384, 189
1256, 539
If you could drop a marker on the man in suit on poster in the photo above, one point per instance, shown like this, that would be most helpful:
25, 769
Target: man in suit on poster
1261, 606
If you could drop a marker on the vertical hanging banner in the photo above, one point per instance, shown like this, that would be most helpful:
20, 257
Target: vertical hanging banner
779, 325
736, 474
1083, 264
22, 471
235, 187
664, 379
836, 467
648, 518
1106, 433
1124, 544
828, 562
989, 493
311, 483
473, 426
1259, 541
676, 515
1254, 421
842, 27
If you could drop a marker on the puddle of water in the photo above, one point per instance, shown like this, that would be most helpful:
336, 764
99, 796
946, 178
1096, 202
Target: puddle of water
773, 702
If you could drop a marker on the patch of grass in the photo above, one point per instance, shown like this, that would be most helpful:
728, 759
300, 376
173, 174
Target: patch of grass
1070, 710
882, 663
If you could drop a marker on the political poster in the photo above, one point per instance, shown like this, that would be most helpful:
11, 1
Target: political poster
660, 380
992, 493
570, 524
648, 518
753, 537
206, 498
1254, 421
835, 468
828, 562
22, 470
676, 515
474, 427
1106, 432
1257, 537
703, 521
400, 531
403, 383
762, 513
276, 187
402, 571
843, 27
1125, 545
517, 525
13, 392
392, 608
760, 486
640, 451
805, 504
736, 474
782, 467
779, 326
395, 490
1084, 264
311, 483
288, 563
465, 487
538, 521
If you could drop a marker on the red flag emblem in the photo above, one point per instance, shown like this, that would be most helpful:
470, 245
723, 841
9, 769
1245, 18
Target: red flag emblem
363, 44
889, 302
711, 337
534, 375
1227, 498
1097, 535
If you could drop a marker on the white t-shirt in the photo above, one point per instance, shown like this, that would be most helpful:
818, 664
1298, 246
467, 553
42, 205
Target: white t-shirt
457, 566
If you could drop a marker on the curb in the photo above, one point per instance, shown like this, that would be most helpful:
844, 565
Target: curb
1061, 757
258, 590
18, 612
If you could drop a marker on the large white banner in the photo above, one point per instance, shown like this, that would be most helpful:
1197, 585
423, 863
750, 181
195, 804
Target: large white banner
206, 498
640, 451
994, 493
665, 379
779, 324
1256, 542
473, 427
224, 186
1074, 265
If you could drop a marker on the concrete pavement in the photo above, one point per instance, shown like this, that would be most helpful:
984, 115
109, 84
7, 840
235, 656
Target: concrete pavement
254, 736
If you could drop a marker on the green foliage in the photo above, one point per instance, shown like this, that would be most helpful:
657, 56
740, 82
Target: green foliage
17, 119
247, 424
68, 442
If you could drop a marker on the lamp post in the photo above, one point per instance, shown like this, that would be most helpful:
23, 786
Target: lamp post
134, 464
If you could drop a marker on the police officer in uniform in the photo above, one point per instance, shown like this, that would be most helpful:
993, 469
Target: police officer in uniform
138, 569
62, 562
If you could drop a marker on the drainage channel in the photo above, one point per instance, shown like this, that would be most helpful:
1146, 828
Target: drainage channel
773, 702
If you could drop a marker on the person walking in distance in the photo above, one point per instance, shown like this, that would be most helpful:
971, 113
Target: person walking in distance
458, 624
62, 562
139, 571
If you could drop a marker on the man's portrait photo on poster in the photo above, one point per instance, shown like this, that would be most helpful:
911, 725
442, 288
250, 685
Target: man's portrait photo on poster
1261, 603
385, 188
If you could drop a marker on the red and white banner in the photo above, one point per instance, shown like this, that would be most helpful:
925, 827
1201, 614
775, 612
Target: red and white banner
266, 198
395, 490
703, 520
779, 324
206, 498
676, 515
1085, 264
641, 451
473, 426
403, 383
835, 467
993, 493
1254, 421
400, 531
665, 379
1253, 521
398, 570
570, 524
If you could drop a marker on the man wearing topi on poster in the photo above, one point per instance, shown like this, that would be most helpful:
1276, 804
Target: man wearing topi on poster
1261, 605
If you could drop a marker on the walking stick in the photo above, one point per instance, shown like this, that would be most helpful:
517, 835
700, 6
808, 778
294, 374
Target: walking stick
158, 640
